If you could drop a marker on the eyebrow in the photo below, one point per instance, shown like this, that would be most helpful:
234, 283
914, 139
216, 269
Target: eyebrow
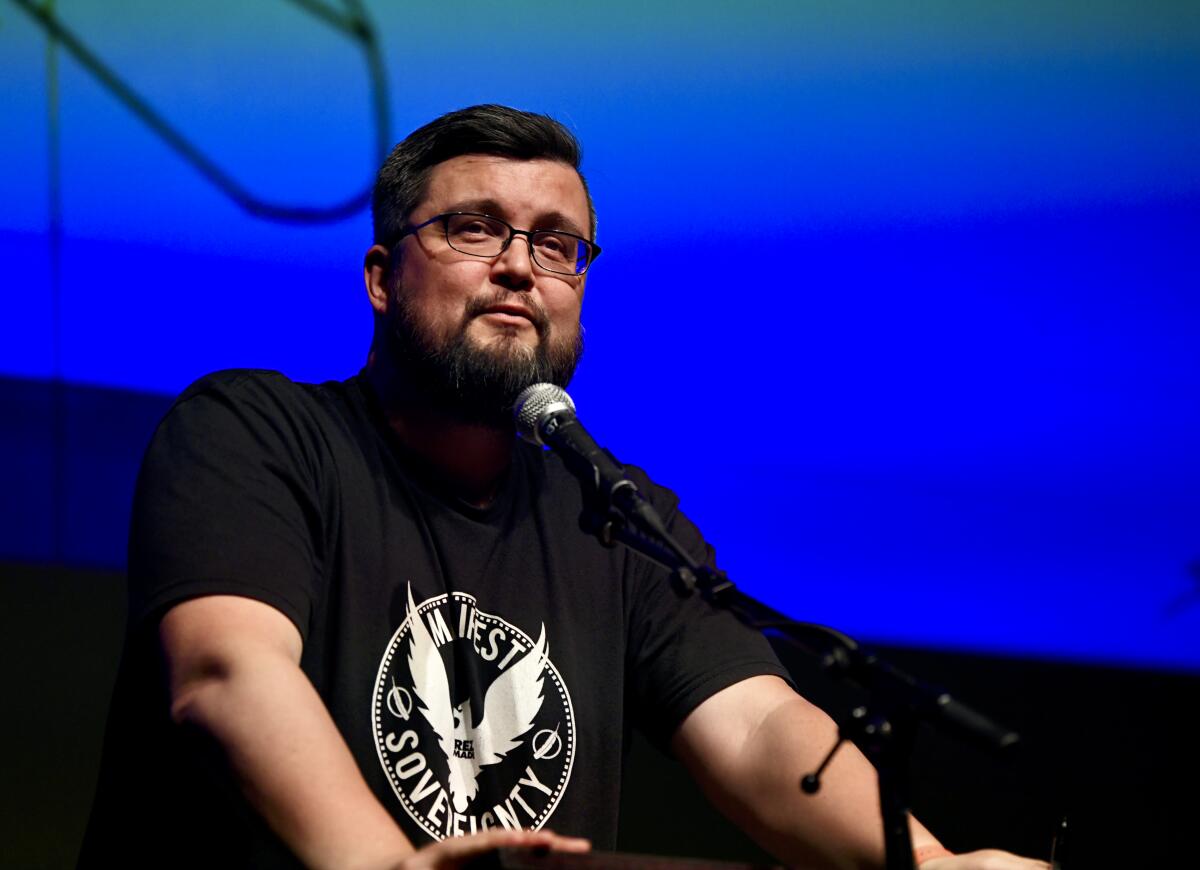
551, 220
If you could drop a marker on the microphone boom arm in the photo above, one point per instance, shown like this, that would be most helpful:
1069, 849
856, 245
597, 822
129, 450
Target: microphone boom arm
616, 511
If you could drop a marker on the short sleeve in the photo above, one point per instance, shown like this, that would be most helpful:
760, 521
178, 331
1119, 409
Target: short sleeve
228, 500
682, 650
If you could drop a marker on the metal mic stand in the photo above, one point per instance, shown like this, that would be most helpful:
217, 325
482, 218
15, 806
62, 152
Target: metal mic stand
884, 728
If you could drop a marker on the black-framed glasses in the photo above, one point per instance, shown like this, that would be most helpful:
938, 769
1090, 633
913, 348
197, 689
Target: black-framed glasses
482, 235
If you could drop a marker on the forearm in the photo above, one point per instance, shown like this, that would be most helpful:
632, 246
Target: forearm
754, 778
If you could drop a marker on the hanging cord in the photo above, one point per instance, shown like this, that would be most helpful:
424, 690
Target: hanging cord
351, 20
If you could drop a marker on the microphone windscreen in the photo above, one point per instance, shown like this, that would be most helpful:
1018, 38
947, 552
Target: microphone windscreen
534, 405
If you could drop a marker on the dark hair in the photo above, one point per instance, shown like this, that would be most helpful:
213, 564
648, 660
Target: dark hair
488, 129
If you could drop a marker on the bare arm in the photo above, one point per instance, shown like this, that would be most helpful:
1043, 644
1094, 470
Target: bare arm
233, 665
749, 745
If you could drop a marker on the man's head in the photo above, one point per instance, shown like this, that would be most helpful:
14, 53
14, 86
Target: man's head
467, 330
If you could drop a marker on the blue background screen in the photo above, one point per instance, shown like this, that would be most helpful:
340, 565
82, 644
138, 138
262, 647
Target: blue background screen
900, 299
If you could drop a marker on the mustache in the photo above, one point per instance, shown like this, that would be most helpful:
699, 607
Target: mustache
537, 314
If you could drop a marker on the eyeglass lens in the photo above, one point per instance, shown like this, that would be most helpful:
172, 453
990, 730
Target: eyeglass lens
486, 237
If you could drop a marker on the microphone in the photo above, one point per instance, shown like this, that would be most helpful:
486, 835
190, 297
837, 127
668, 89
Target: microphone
545, 416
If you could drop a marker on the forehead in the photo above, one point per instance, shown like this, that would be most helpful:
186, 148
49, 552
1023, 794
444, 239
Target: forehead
524, 192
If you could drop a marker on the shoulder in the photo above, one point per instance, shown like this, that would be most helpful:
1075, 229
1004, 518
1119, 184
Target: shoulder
665, 501
246, 385
229, 419
250, 396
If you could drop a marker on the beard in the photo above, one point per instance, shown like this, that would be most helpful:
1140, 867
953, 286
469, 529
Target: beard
470, 381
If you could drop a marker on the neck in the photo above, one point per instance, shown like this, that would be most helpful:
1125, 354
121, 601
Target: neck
469, 459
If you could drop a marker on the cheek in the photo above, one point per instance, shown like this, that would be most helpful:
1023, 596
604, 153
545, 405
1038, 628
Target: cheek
439, 293
565, 307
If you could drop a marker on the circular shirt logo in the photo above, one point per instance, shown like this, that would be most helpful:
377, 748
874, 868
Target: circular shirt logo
472, 722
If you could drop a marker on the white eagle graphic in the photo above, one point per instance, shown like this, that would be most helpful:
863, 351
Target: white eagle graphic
510, 705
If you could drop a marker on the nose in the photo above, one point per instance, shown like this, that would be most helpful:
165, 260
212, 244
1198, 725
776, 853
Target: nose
513, 269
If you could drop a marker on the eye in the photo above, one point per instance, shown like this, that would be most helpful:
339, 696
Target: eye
475, 227
556, 245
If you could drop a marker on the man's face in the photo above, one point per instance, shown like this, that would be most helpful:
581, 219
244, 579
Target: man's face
478, 330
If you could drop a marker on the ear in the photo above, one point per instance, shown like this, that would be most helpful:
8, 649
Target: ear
376, 266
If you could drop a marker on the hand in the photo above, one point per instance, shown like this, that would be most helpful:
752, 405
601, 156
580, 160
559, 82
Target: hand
984, 859
457, 851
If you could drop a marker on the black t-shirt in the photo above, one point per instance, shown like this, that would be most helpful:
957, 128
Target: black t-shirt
483, 665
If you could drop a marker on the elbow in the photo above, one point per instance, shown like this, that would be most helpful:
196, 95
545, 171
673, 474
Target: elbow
195, 693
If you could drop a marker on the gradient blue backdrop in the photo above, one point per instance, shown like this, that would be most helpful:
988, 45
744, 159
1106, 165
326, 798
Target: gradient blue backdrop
922, 357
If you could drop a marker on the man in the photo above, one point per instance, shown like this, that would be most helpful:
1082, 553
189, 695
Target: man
366, 628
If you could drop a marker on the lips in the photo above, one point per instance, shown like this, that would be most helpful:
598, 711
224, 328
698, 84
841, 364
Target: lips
511, 310
509, 305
